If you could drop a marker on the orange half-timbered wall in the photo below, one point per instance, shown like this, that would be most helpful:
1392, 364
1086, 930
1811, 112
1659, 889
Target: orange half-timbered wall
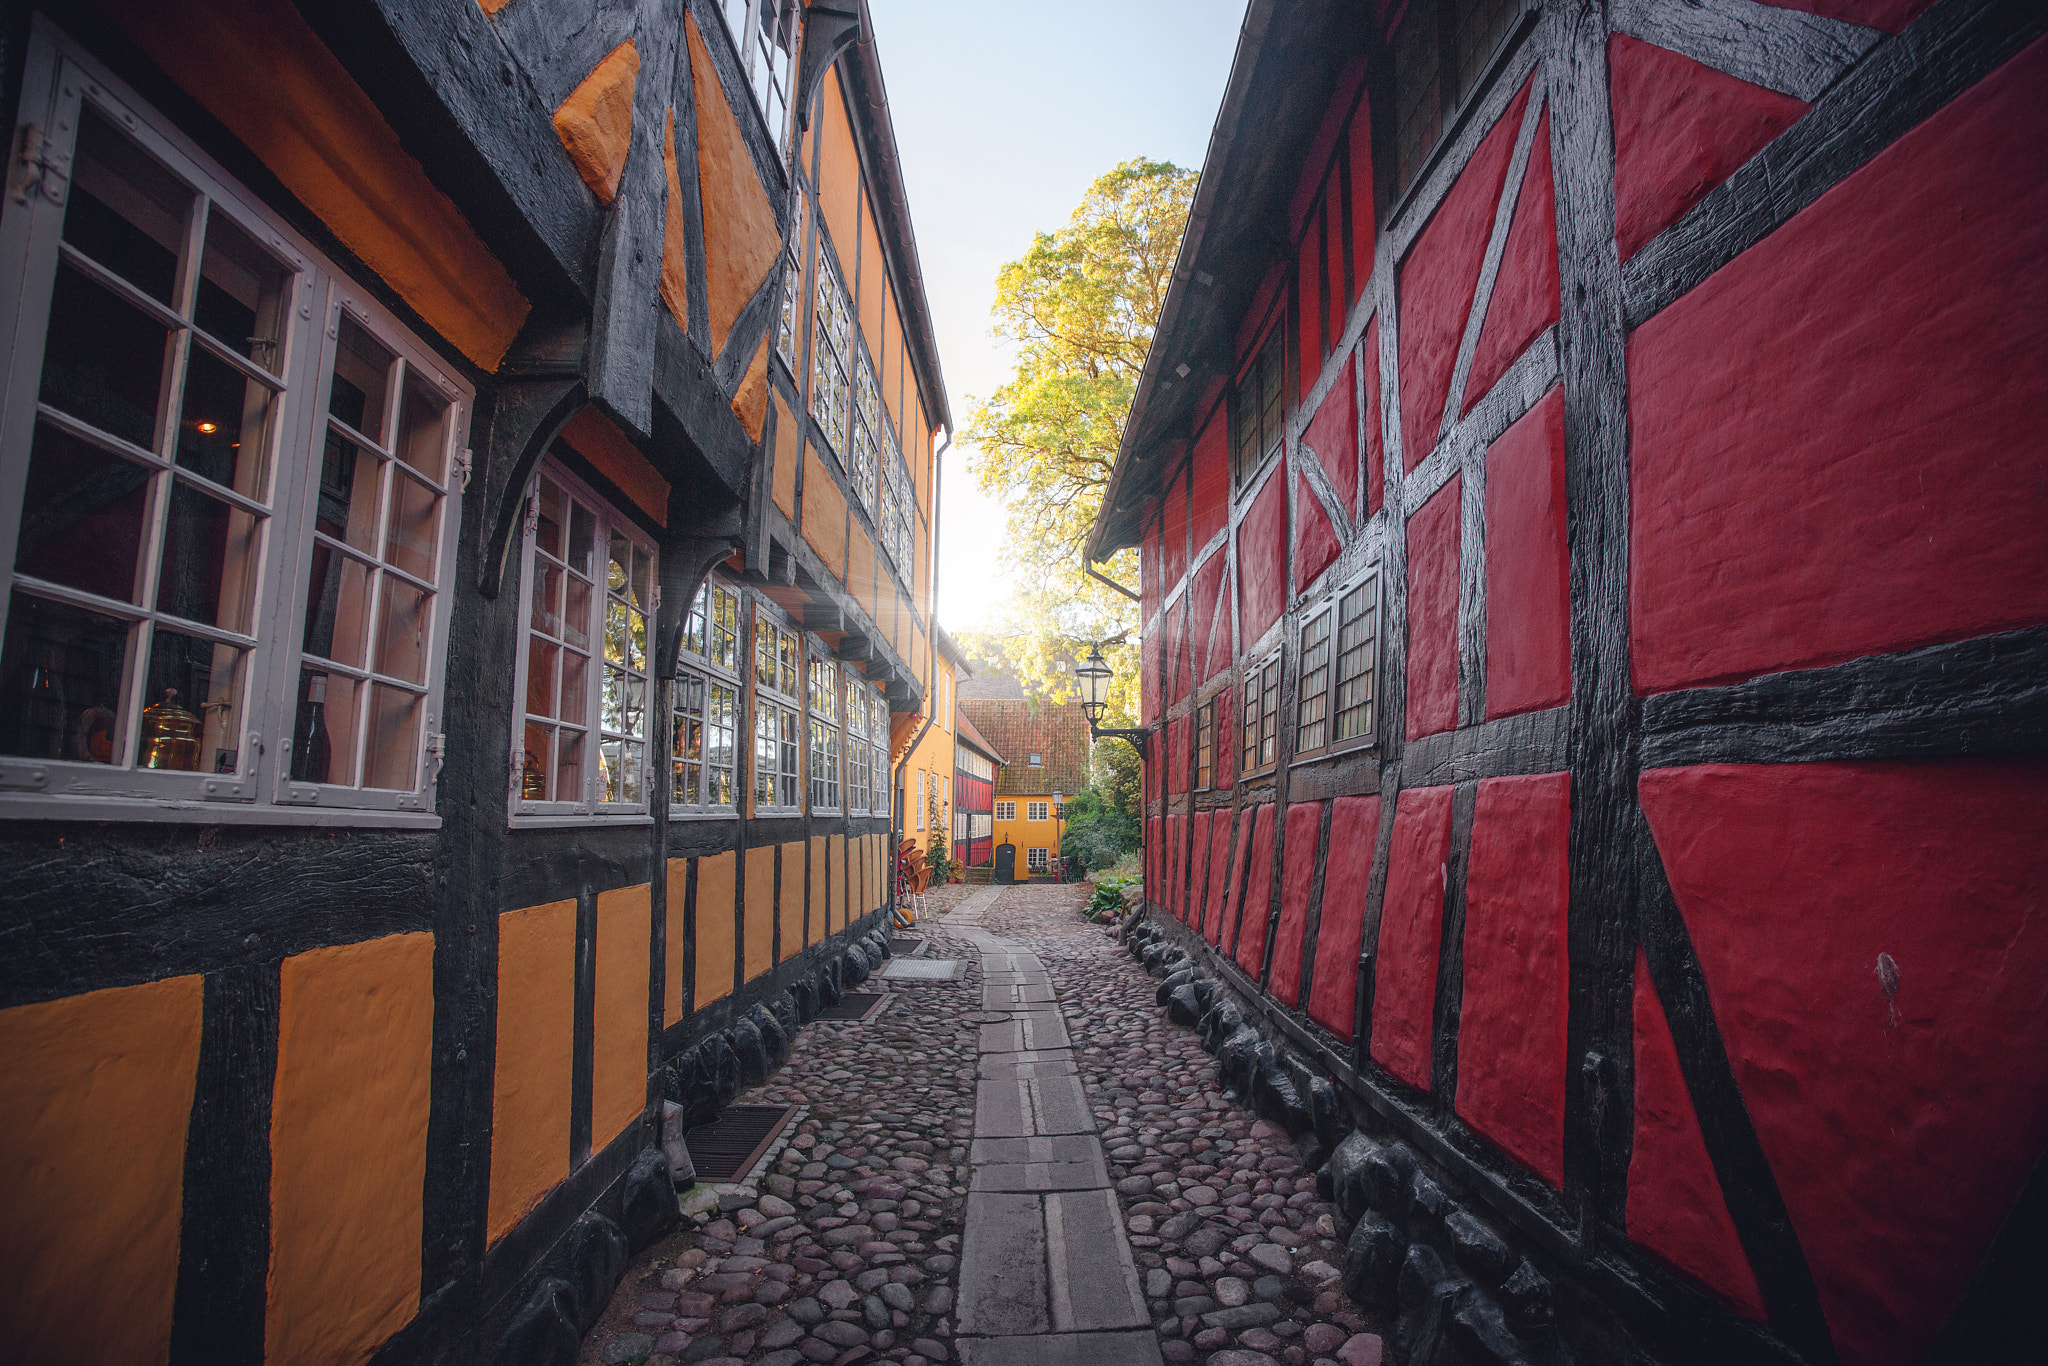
1679, 414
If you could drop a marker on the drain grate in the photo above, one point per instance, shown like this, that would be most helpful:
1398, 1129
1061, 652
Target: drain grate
900, 946
727, 1148
925, 969
859, 1006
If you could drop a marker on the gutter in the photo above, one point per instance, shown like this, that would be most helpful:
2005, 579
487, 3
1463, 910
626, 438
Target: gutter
931, 674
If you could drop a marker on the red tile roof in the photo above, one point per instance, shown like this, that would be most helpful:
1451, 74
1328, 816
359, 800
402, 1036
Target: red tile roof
1058, 733
965, 730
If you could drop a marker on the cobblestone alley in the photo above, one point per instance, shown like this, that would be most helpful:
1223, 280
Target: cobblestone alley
1030, 1166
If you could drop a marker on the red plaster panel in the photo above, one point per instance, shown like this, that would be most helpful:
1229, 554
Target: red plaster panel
1333, 435
1148, 673
1174, 534
1680, 129
1315, 541
1438, 281
1363, 222
1675, 1205
1308, 302
1411, 934
1210, 646
1375, 419
1836, 438
1219, 875
1433, 613
1212, 479
1155, 876
1226, 714
1262, 558
1889, 15
1297, 880
1524, 299
1151, 561
1333, 991
1198, 874
1176, 873
1253, 328
1257, 895
1876, 956
1528, 571
1511, 1023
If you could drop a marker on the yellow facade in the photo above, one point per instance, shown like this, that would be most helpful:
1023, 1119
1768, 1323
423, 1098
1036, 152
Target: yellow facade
1029, 834
926, 790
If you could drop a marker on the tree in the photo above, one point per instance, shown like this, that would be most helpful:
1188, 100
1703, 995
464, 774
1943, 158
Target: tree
1080, 307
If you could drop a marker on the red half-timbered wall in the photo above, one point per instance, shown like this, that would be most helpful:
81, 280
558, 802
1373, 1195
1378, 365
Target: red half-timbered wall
1684, 902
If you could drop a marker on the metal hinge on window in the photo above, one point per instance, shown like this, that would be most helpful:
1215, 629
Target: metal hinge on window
38, 169
463, 465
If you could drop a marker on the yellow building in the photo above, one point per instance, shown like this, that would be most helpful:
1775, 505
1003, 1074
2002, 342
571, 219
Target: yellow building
1044, 749
924, 781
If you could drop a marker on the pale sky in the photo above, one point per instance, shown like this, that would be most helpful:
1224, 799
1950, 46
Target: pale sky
1003, 116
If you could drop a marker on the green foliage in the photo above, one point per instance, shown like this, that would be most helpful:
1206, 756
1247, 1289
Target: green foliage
1079, 308
1119, 775
1108, 904
1097, 834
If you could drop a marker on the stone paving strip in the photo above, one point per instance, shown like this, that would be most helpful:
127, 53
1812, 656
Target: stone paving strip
1046, 1274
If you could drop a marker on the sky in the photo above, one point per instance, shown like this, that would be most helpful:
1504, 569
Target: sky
1003, 116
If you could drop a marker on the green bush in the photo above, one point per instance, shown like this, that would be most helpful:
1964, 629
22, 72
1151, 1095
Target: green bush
1107, 905
1098, 834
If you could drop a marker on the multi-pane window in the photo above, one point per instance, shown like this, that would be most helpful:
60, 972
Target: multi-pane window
1440, 51
1258, 407
920, 799
788, 332
766, 34
1312, 720
1037, 811
1006, 811
584, 670
777, 725
204, 400
704, 730
878, 743
831, 347
1357, 641
824, 736
1037, 860
1261, 712
859, 761
1205, 745
867, 421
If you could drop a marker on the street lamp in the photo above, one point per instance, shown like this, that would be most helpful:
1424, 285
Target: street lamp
1093, 674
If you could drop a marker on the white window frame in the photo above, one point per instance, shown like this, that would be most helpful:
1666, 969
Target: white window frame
590, 806
858, 765
920, 799
1038, 811
770, 67
1005, 810
832, 341
704, 667
58, 80
789, 332
1037, 860
784, 708
824, 735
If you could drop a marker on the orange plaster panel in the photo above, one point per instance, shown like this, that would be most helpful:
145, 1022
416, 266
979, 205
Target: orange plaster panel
837, 884
788, 442
618, 1078
838, 172
741, 241
675, 265
824, 523
260, 70
79, 1218
789, 903
891, 359
760, 922
715, 881
860, 567
750, 404
348, 1147
819, 848
618, 460
874, 281
596, 122
536, 1041
673, 944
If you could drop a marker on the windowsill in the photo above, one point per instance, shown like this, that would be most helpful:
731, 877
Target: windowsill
723, 813
45, 806
1328, 753
586, 821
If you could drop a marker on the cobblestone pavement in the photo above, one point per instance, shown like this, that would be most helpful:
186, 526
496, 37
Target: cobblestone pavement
1239, 1255
848, 1251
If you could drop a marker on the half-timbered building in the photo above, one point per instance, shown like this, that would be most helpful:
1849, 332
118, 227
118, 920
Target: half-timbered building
1590, 481
466, 500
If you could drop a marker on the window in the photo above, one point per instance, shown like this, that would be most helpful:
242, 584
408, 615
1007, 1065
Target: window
704, 731
1261, 708
1006, 811
1312, 719
231, 474
878, 742
1205, 745
831, 343
859, 753
1439, 52
587, 592
920, 799
765, 32
777, 731
1037, 760
1036, 860
1357, 641
1258, 407
1036, 811
897, 509
867, 420
787, 331
824, 746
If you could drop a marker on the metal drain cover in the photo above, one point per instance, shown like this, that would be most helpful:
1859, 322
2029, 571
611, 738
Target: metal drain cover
727, 1148
925, 969
859, 1006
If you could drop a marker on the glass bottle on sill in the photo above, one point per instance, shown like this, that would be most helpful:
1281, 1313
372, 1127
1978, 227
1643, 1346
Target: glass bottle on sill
313, 754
